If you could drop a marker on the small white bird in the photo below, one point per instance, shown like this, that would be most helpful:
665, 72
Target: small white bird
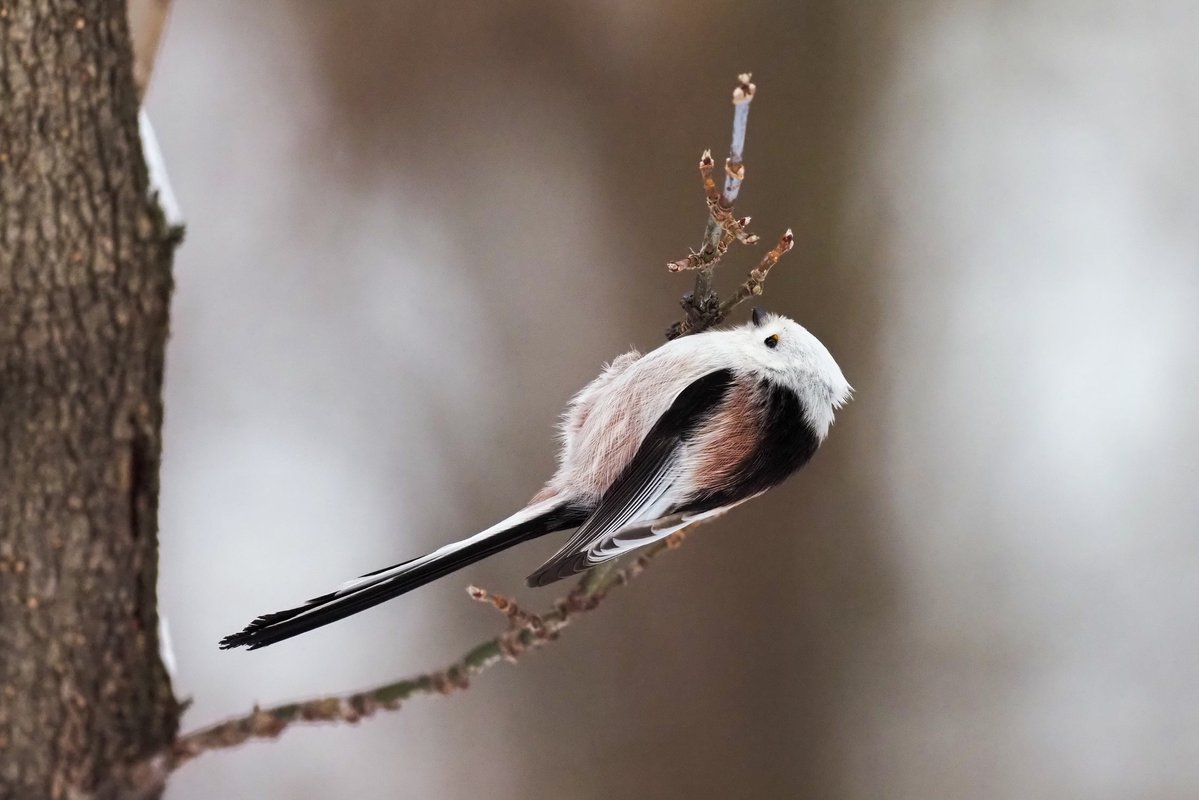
656, 442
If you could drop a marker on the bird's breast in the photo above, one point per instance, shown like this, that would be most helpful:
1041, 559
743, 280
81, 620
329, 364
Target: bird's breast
758, 439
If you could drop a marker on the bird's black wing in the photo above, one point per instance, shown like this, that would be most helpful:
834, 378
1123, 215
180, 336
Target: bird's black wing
642, 483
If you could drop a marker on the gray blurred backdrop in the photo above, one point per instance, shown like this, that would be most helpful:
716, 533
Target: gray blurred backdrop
414, 229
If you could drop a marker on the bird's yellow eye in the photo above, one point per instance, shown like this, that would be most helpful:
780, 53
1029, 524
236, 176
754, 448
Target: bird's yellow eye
772, 341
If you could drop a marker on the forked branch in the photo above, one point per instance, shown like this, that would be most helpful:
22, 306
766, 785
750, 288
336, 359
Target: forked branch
723, 227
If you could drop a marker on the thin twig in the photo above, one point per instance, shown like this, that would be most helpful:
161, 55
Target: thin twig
702, 305
757, 275
752, 286
725, 224
517, 616
734, 166
526, 632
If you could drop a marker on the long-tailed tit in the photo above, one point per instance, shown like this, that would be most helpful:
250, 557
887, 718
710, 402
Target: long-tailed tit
656, 442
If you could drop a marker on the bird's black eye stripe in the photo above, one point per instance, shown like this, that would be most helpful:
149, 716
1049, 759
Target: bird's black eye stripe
772, 341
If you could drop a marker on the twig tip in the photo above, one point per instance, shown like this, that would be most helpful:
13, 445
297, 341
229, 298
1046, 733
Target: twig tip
745, 89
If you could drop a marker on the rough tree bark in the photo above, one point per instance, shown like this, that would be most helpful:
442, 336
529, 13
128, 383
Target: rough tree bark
85, 281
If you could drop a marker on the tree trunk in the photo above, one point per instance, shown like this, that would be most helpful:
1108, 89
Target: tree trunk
85, 282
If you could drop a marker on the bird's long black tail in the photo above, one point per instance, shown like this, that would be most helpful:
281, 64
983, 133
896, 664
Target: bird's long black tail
381, 585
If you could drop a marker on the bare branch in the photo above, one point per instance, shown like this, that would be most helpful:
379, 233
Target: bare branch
701, 305
728, 227
757, 276
751, 288
721, 207
526, 632
734, 169
517, 616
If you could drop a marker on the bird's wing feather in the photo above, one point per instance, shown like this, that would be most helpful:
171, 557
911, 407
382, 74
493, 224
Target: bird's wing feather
641, 485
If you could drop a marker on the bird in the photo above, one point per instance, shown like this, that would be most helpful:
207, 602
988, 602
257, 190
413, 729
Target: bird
656, 442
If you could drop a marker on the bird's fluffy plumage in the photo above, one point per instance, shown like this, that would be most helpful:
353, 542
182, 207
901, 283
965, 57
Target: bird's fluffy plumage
606, 422
689, 430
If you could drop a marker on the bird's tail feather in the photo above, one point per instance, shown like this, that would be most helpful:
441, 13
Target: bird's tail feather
376, 587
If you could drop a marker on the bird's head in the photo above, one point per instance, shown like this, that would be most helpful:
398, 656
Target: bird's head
785, 352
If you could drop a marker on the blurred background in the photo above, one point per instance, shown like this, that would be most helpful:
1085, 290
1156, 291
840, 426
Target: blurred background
414, 229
